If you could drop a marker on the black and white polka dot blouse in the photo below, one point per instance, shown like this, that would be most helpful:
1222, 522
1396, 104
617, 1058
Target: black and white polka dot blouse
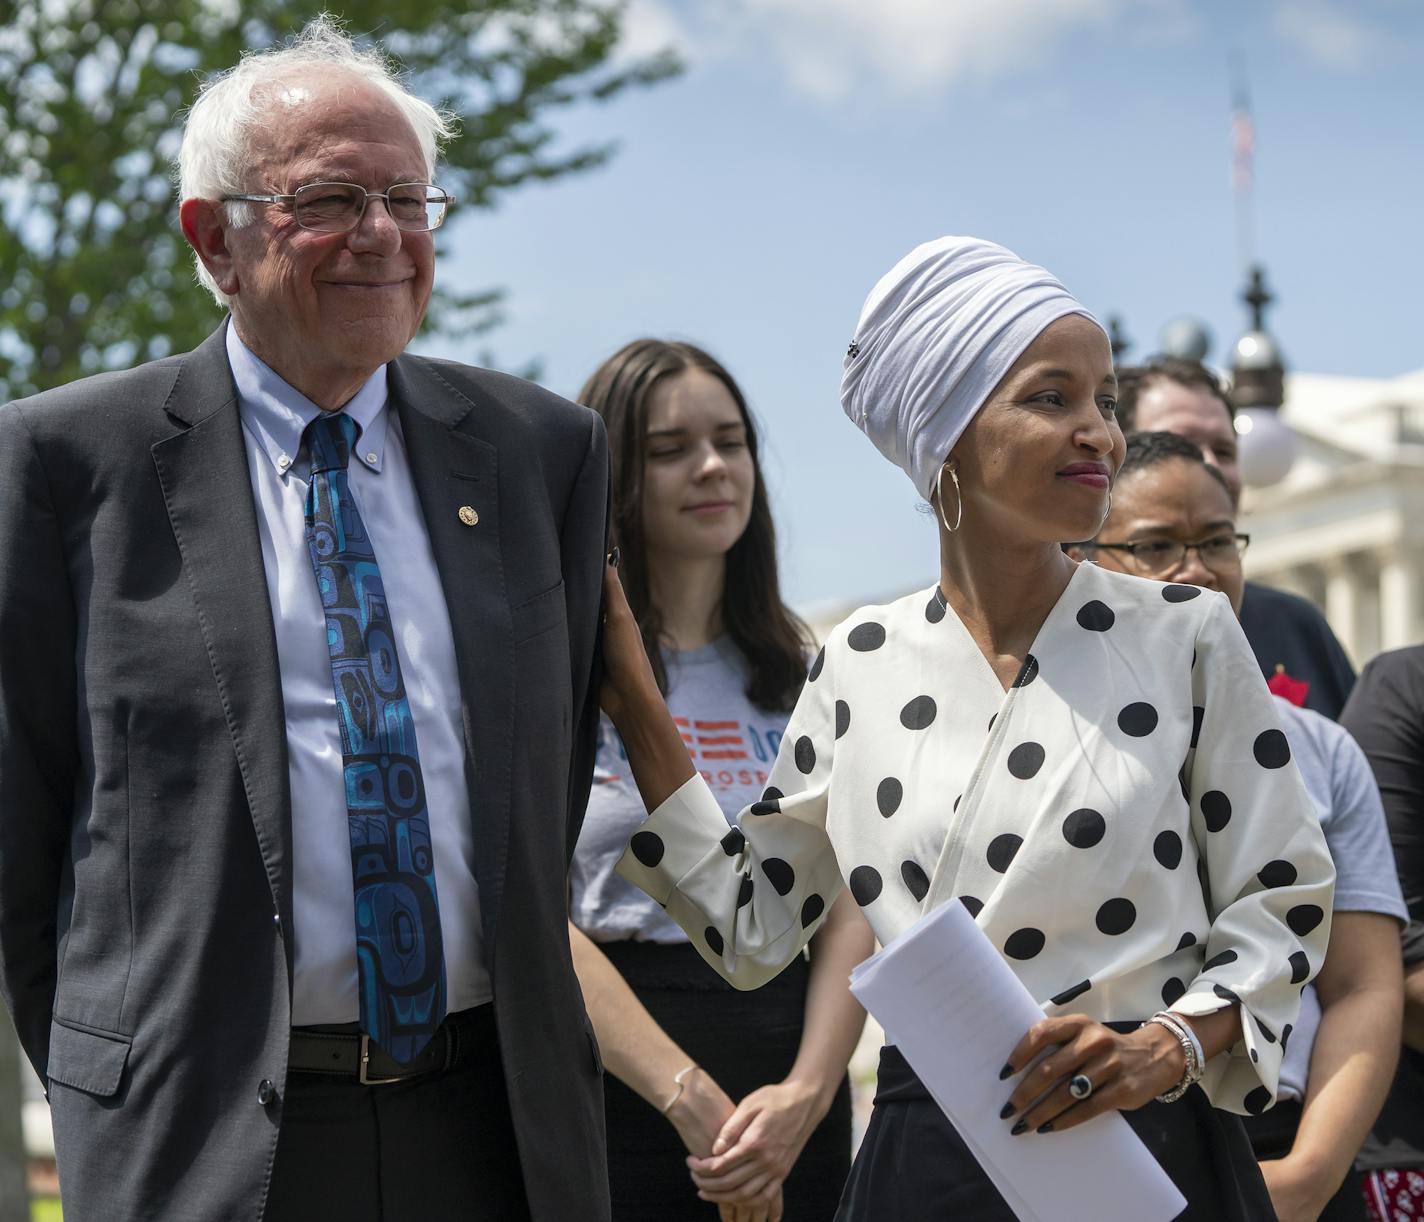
1124, 823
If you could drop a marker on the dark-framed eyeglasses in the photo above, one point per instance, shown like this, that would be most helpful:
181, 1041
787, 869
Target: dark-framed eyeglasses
1219, 552
337, 207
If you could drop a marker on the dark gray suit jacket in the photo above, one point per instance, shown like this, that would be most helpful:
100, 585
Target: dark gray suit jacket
145, 819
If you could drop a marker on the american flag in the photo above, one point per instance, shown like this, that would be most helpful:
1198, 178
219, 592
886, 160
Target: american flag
1243, 133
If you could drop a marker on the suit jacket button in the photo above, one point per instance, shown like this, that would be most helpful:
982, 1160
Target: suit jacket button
468, 515
266, 1092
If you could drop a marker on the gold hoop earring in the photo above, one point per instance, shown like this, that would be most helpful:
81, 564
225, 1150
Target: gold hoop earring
958, 498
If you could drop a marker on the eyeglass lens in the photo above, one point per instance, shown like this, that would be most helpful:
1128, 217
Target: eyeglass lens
334, 207
1164, 555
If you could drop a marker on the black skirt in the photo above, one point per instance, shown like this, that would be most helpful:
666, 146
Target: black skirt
914, 1167
744, 1040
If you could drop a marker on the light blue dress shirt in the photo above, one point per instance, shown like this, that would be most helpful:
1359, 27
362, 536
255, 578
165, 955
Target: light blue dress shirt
274, 416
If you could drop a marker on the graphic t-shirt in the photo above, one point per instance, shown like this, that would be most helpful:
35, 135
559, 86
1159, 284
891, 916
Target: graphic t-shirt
732, 744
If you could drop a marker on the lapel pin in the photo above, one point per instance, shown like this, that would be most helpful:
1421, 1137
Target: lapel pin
468, 516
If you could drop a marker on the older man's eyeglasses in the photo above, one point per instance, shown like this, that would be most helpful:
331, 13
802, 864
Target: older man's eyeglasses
337, 207
1219, 552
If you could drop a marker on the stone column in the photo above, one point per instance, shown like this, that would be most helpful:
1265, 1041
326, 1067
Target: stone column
1399, 599
1343, 604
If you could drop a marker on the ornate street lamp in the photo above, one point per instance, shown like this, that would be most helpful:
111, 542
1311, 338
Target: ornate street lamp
1268, 444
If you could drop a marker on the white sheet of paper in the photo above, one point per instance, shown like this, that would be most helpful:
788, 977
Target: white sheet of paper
956, 1010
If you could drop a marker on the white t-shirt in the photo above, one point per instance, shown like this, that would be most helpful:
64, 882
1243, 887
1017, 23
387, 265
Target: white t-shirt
732, 743
1338, 778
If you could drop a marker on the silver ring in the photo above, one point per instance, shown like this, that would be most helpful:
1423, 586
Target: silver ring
1080, 1086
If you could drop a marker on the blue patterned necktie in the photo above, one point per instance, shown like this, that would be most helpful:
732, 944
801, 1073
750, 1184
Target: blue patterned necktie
400, 963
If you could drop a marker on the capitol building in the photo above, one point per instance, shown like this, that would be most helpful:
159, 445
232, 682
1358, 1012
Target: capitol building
1345, 527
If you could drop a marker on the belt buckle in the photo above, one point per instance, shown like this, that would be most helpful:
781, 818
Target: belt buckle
361, 1075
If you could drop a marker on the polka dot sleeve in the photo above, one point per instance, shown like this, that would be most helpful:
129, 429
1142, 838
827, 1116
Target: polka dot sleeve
752, 896
1265, 868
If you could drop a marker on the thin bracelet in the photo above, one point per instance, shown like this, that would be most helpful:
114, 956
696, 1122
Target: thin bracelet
1191, 1035
681, 1079
1192, 1072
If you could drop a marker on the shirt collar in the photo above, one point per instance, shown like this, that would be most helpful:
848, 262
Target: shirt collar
276, 413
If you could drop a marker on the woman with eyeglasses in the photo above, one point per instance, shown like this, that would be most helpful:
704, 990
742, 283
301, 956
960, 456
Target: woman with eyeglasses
1089, 762
1172, 520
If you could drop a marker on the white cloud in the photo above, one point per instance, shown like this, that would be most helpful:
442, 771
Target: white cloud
1329, 33
650, 27
831, 48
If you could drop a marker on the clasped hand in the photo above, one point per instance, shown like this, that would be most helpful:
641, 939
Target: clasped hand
1126, 1071
739, 1157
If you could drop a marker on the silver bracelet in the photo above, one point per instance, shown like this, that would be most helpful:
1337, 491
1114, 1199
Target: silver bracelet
681, 1079
1193, 1071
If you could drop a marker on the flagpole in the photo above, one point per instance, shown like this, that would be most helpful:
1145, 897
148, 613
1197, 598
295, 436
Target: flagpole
1243, 150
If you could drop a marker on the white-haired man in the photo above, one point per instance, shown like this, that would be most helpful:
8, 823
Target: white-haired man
298, 642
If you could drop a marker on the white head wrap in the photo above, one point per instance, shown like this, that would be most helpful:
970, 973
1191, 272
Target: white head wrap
936, 335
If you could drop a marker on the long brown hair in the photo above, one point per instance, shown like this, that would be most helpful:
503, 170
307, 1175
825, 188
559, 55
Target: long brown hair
770, 636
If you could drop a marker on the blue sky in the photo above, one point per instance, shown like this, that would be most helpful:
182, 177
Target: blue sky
810, 143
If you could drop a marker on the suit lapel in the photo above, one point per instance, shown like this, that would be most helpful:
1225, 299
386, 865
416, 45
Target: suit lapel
208, 492
455, 470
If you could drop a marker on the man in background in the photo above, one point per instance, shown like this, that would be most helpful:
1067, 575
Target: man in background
1289, 637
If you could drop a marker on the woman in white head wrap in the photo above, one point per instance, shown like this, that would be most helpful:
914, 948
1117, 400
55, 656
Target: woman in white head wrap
1089, 762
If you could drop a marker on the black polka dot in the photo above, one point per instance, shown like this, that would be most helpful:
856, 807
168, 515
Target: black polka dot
956, 802
1167, 849
989, 729
1179, 594
1063, 998
811, 910
1024, 943
744, 892
975, 906
1221, 960
865, 885
1299, 966
1255, 1056
1285, 1035
1187, 939
815, 672
805, 755
1025, 760
1223, 992
771, 794
918, 714
842, 717
1277, 874
1137, 720
888, 796
1172, 991
1303, 918
865, 637
915, 879
1095, 616
779, 874
1258, 1101
1197, 714
935, 608
770, 806
647, 847
714, 939
1084, 828
1215, 809
1028, 672
1002, 850
1271, 749
733, 842
1266, 1033
1116, 916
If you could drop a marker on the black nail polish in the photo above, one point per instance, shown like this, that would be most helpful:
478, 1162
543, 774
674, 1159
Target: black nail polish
1021, 1127
1045, 1127
1007, 1112
1007, 1071
614, 557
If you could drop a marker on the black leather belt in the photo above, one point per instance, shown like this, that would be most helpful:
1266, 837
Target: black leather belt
350, 1053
